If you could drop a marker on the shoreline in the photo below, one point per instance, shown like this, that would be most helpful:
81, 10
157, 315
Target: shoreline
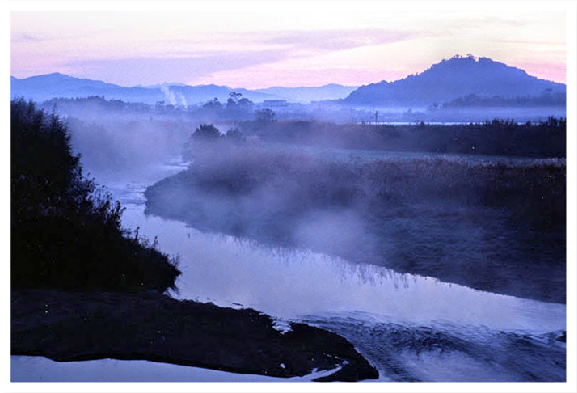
28, 369
511, 233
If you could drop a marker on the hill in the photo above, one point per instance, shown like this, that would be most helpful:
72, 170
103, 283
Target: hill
451, 79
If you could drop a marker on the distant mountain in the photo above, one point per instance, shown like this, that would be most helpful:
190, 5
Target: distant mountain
451, 79
44, 87
444, 82
331, 91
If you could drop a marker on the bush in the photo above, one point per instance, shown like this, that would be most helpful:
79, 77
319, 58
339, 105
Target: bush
65, 232
206, 132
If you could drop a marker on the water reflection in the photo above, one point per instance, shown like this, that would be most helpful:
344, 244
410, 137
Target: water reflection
289, 283
391, 318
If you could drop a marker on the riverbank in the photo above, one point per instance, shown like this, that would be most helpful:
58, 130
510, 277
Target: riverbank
490, 225
74, 326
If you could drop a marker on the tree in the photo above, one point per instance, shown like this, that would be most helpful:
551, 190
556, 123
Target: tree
206, 132
245, 103
235, 135
66, 232
265, 115
213, 104
238, 106
233, 100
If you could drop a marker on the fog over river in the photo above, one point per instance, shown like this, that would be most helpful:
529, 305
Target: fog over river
411, 328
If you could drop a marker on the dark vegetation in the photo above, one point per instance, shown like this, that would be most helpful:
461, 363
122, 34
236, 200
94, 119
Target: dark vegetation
488, 224
497, 137
547, 99
87, 326
207, 132
65, 232
236, 108
469, 108
95, 104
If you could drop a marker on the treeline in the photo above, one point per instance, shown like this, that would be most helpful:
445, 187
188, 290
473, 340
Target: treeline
95, 104
235, 108
66, 232
475, 101
497, 137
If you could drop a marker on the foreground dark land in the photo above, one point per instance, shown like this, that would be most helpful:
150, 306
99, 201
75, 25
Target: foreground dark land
74, 326
84, 288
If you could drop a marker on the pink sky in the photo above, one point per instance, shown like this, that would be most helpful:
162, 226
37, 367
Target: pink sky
257, 45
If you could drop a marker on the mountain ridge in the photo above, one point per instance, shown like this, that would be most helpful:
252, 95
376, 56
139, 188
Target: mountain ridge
57, 85
443, 82
451, 79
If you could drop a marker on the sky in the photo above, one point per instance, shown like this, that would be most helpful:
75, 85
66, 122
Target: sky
264, 44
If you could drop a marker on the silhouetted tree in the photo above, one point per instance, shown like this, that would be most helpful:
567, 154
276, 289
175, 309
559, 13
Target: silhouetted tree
65, 232
206, 132
265, 115
235, 135
213, 104
233, 100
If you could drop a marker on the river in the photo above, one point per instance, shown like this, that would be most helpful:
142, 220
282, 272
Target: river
411, 328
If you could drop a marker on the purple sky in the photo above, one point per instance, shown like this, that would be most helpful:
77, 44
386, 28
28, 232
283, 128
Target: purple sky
262, 44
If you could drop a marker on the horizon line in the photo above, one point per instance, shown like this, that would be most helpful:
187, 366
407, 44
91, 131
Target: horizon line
155, 85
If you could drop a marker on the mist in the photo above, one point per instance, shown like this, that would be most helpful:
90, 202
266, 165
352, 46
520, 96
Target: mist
474, 203
464, 219
303, 210
304, 196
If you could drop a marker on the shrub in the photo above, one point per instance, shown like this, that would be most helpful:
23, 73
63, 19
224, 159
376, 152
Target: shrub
206, 132
65, 232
